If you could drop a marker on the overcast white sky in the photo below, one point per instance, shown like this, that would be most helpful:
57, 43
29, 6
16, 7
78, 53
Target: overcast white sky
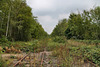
49, 12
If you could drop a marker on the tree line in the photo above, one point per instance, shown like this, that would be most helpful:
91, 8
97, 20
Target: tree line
85, 25
17, 22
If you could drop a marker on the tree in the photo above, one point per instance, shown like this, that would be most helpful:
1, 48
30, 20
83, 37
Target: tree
75, 26
17, 22
95, 15
81, 26
59, 30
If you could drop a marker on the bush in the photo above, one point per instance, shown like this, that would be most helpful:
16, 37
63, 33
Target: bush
4, 41
88, 52
59, 39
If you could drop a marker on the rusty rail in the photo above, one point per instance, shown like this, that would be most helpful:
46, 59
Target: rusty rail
22, 59
41, 63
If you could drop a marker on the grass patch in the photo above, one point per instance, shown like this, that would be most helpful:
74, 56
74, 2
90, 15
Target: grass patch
2, 62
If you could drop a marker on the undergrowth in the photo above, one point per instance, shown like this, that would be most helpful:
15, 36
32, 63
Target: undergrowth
68, 52
2, 62
70, 55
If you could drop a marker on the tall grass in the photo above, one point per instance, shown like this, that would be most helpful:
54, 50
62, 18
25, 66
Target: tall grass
75, 54
2, 62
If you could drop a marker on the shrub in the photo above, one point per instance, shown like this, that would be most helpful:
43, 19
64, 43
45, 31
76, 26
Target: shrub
59, 39
4, 41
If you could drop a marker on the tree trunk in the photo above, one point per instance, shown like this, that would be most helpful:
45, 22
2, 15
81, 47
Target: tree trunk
8, 22
1, 23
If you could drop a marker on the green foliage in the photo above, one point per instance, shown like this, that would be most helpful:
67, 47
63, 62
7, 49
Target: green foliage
17, 22
92, 53
53, 45
84, 26
59, 30
75, 27
4, 41
27, 46
34, 46
30, 46
87, 52
59, 39
38, 32
68, 54
96, 42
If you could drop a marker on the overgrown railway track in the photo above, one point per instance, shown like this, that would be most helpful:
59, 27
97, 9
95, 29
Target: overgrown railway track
35, 59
